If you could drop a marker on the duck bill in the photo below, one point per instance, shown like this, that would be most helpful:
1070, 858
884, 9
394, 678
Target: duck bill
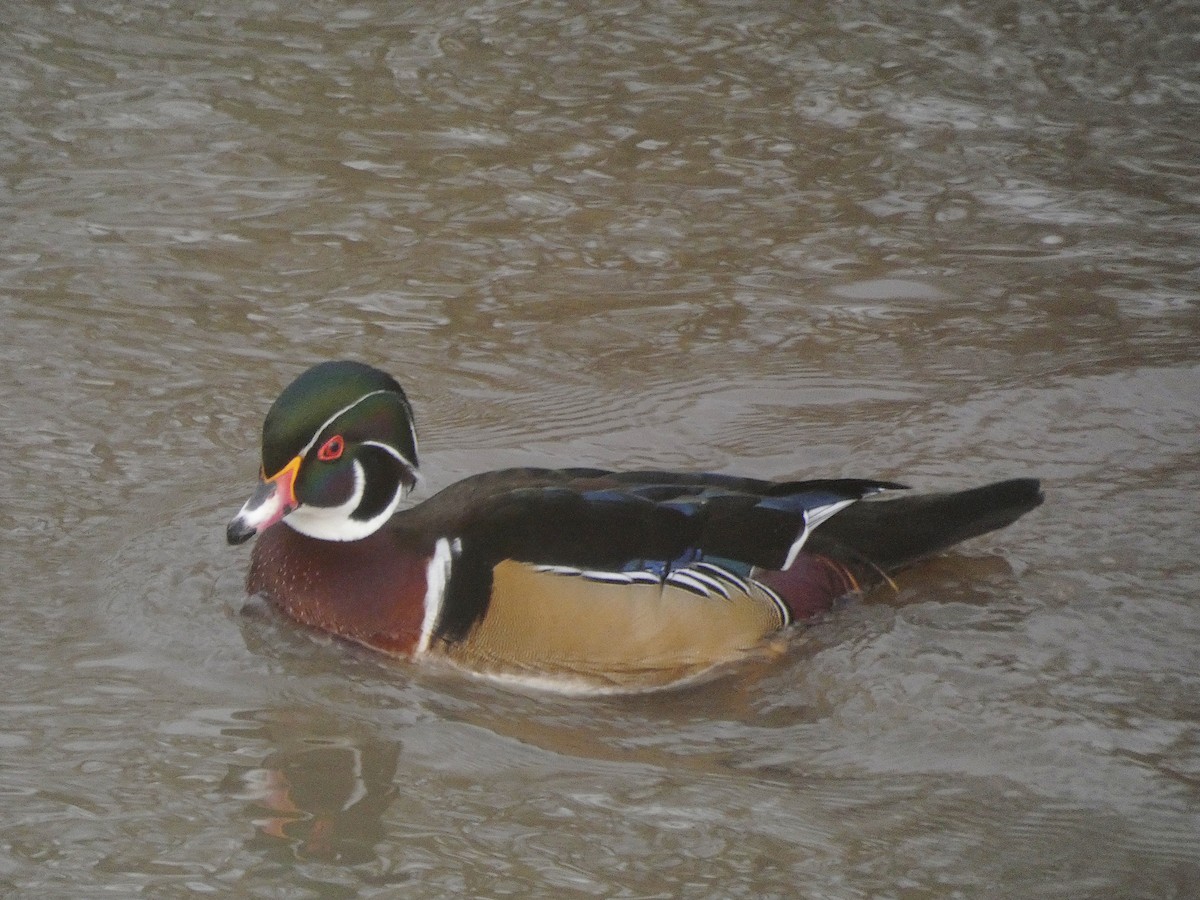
274, 498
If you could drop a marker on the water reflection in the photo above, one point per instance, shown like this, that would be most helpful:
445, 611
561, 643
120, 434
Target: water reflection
321, 793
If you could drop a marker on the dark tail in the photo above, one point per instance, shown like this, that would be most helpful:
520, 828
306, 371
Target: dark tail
866, 542
890, 534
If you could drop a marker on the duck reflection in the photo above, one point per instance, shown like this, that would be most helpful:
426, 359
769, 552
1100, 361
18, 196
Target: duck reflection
320, 796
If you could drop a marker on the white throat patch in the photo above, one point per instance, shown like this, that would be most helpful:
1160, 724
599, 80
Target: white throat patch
333, 523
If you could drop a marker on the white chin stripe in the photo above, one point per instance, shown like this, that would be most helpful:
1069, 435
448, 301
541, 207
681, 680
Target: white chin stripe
333, 523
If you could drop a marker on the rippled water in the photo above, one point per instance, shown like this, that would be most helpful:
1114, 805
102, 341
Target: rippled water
938, 244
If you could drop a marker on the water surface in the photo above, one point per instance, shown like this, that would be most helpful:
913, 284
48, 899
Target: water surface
939, 245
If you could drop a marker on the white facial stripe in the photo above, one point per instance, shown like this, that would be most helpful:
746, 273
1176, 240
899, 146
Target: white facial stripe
437, 576
408, 463
323, 521
340, 412
333, 523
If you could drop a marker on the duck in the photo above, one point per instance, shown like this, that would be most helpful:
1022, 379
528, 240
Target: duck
571, 579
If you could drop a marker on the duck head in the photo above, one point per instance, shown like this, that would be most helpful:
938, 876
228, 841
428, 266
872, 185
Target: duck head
339, 452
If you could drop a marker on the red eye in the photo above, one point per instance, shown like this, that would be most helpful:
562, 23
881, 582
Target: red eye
331, 449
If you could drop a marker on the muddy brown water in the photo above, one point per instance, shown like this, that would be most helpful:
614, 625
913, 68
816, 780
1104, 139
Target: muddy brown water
940, 244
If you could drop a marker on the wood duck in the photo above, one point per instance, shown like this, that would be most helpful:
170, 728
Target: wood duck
572, 579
